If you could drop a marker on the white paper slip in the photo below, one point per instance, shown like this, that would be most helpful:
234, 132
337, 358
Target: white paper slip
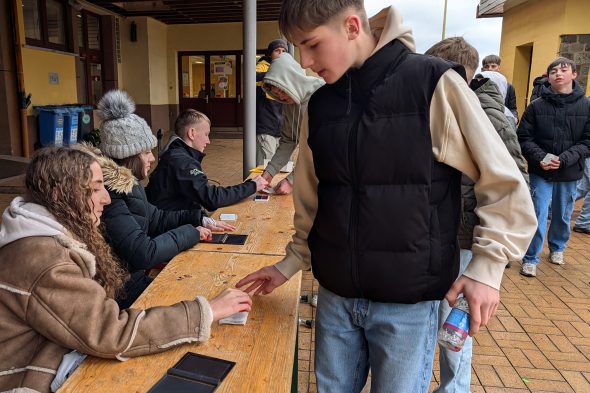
228, 216
268, 190
239, 318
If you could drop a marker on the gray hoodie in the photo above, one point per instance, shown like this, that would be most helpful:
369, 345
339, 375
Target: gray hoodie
286, 74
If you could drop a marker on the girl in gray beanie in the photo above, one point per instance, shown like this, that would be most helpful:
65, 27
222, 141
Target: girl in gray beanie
141, 235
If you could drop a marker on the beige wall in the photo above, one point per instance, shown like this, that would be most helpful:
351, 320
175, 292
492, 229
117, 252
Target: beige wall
135, 72
157, 50
209, 37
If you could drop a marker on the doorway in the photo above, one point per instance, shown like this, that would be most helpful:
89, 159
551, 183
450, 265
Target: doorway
211, 82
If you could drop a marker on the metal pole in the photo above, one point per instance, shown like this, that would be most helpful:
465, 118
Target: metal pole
249, 27
444, 21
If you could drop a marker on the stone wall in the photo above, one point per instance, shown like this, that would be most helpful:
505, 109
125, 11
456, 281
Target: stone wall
577, 48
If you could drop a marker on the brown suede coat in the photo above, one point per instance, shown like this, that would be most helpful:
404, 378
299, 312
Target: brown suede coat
49, 305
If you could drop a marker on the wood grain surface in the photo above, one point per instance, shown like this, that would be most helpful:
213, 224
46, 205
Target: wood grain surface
263, 349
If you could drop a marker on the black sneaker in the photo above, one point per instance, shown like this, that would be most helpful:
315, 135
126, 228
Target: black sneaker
581, 230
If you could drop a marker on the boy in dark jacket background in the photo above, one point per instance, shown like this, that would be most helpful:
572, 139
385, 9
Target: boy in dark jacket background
554, 134
178, 182
492, 63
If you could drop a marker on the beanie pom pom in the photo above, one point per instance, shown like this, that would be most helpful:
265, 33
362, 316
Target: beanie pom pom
115, 104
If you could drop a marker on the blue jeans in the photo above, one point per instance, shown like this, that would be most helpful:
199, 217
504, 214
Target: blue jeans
583, 188
562, 196
396, 341
455, 367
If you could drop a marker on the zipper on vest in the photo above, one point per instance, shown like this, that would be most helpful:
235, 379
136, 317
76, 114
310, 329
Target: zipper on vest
352, 152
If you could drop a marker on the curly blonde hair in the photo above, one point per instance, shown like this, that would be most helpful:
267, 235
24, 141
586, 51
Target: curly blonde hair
59, 179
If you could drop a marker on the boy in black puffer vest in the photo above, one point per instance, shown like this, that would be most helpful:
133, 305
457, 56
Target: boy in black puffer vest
377, 197
554, 134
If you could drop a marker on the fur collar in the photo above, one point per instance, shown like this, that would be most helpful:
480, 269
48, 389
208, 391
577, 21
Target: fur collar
117, 178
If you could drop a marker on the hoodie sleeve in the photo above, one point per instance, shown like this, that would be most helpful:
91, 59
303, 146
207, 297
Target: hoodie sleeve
305, 199
74, 311
464, 138
288, 141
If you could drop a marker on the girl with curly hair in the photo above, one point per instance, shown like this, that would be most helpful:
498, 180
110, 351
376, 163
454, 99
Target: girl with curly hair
59, 278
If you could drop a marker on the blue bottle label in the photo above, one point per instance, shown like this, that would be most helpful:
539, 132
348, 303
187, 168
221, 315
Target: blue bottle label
458, 320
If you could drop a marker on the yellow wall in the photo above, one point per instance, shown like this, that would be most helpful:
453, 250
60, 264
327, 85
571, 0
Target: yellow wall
134, 65
157, 49
209, 37
539, 23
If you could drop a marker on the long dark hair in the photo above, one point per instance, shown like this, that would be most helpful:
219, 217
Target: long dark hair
59, 179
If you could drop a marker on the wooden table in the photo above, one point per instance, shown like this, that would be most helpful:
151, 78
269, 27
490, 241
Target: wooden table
263, 349
269, 226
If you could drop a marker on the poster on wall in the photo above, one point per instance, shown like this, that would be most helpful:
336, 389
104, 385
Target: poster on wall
185, 81
222, 68
222, 82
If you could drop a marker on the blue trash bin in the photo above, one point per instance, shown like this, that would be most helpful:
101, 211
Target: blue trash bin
51, 125
71, 124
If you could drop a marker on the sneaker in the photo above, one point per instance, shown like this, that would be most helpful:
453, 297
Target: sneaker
581, 230
528, 269
556, 258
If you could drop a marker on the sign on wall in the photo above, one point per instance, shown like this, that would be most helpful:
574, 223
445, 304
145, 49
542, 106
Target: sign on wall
53, 78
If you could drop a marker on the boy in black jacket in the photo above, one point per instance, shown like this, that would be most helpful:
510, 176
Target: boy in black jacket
179, 183
554, 134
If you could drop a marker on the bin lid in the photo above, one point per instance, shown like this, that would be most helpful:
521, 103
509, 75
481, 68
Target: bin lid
51, 109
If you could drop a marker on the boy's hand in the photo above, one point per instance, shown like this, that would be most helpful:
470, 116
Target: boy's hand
483, 301
261, 182
264, 280
552, 165
217, 226
284, 187
267, 176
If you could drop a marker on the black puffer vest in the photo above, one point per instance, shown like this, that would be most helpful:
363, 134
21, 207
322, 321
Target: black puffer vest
388, 213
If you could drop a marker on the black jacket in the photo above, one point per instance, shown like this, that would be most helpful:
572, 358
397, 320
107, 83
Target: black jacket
268, 111
140, 234
388, 213
178, 182
539, 82
510, 100
557, 124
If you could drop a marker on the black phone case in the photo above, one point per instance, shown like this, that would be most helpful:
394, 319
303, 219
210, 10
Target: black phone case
194, 373
226, 238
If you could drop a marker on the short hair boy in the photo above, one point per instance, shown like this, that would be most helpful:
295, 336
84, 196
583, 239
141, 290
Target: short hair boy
179, 182
492, 63
377, 197
554, 134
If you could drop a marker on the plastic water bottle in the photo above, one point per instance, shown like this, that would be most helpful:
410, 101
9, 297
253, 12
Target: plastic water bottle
453, 333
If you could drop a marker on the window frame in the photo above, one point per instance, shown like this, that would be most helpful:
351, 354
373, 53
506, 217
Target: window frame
44, 41
90, 56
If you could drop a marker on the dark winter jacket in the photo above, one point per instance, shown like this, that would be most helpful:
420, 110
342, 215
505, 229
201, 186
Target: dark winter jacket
140, 234
390, 231
268, 111
557, 124
178, 182
510, 100
537, 84
492, 103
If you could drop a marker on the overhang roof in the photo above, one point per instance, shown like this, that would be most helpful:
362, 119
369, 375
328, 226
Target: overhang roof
191, 11
490, 8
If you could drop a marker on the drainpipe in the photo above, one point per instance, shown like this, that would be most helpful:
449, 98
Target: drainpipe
24, 100
249, 27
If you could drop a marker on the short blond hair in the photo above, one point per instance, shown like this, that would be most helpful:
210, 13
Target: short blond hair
457, 50
188, 118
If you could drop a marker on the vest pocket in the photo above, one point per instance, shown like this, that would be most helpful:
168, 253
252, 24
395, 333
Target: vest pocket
434, 267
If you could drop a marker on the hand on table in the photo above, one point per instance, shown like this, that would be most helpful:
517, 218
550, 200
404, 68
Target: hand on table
261, 182
483, 301
204, 233
284, 187
217, 226
229, 302
264, 281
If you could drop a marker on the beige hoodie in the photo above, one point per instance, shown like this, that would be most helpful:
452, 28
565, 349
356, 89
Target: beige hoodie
463, 138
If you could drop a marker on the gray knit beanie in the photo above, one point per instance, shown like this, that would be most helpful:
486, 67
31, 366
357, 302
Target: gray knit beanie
122, 133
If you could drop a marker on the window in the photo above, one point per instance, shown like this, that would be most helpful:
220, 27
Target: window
91, 57
46, 23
